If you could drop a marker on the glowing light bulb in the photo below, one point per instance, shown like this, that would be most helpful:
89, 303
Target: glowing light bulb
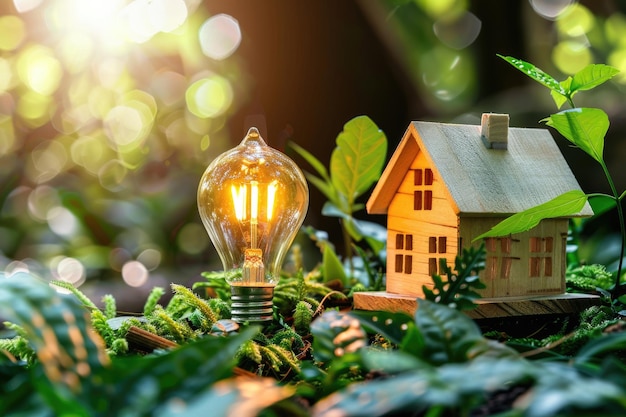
252, 200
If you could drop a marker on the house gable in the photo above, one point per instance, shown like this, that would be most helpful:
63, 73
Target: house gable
481, 181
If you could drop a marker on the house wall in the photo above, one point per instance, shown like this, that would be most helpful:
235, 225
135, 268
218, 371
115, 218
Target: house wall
525, 264
422, 228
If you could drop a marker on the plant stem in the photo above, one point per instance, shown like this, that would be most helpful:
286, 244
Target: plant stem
347, 244
620, 213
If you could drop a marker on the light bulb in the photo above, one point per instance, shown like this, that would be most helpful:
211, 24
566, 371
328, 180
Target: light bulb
252, 200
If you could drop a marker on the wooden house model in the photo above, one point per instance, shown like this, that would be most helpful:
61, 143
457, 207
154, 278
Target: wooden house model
445, 184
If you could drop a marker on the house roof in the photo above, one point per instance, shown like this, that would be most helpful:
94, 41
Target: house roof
481, 181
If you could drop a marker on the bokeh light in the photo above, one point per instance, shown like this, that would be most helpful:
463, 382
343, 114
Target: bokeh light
209, 97
12, 32
576, 21
62, 221
458, 33
220, 36
550, 9
68, 269
192, 238
135, 274
571, 56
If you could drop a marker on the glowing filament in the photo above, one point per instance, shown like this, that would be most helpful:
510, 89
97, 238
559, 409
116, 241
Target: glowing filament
254, 202
271, 193
241, 205
239, 201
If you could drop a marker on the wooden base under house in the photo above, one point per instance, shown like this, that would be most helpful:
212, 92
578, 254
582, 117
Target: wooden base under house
448, 183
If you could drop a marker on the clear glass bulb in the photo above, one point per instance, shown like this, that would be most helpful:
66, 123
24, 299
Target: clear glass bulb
252, 200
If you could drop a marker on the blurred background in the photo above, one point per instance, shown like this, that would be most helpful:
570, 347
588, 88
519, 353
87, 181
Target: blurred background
110, 110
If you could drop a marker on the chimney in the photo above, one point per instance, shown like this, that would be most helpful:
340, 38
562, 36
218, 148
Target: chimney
494, 130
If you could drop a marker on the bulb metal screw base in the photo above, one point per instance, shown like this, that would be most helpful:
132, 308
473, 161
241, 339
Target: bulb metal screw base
251, 304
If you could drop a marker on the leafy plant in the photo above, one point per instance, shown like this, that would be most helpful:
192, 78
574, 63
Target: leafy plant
356, 164
583, 127
444, 366
458, 291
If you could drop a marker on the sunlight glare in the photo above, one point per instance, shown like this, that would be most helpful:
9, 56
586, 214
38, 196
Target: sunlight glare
23, 6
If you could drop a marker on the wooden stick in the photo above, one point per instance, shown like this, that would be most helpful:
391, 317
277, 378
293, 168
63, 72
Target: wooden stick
147, 341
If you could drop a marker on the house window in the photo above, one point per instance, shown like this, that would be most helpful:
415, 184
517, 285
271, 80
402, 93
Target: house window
404, 259
423, 198
541, 256
436, 245
499, 261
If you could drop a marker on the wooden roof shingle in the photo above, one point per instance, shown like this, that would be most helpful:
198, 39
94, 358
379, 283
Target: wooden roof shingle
481, 181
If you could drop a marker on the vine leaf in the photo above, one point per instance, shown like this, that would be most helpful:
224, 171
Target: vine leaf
592, 76
536, 74
358, 159
564, 205
584, 127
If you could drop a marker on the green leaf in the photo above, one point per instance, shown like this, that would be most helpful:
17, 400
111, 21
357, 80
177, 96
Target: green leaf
325, 188
393, 326
535, 73
560, 99
139, 384
58, 329
336, 334
566, 204
312, 160
584, 127
332, 267
592, 76
358, 159
449, 335
323, 184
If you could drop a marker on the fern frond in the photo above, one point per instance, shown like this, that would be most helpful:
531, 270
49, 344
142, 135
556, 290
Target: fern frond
250, 350
288, 339
220, 307
19, 348
79, 294
271, 357
118, 347
285, 358
152, 300
100, 325
208, 315
302, 316
110, 309
180, 331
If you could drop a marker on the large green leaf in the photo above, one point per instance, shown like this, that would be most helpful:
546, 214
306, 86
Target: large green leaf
394, 326
58, 328
591, 76
449, 335
535, 73
566, 204
584, 127
137, 385
456, 388
358, 159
